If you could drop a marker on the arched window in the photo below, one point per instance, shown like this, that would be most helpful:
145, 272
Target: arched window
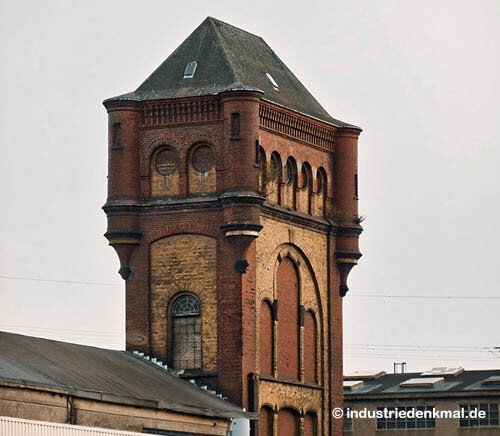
164, 172
261, 159
266, 421
321, 191
304, 177
289, 172
310, 424
201, 169
186, 333
310, 347
288, 422
305, 188
321, 181
288, 320
266, 339
290, 187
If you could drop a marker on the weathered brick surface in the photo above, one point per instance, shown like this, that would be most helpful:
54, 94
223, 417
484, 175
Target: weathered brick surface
310, 348
183, 249
288, 422
309, 252
200, 182
184, 264
310, 424
164, 185
266, 339
182, 138
288, 320
266, 417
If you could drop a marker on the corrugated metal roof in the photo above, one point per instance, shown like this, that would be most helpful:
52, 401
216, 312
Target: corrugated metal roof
390, 384
228, 58
107, 375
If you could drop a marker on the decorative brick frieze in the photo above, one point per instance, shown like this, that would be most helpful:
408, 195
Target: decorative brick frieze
296, 127
163, 113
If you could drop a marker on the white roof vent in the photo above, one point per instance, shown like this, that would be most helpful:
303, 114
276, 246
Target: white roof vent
273, 82
190, 70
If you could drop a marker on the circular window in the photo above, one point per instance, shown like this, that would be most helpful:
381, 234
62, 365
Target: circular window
289, 172
166, 161
203, 159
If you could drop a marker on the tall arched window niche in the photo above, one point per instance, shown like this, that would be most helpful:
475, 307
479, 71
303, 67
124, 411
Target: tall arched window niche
321, 192
186, 333
290, 183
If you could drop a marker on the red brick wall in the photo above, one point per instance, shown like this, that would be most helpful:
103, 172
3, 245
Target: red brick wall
123, 157
310, 350
310, 425
288, 423
266, 339
288, 320
266, 421
236, 302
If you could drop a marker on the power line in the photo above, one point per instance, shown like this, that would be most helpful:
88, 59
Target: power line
64, 331
58, 281
394, 356
68, 338
421, 347
441, 297
446, 297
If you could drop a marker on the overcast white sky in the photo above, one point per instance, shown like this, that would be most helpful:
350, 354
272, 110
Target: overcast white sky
421, 78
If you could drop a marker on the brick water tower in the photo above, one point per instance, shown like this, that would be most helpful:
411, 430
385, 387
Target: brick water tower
232, 205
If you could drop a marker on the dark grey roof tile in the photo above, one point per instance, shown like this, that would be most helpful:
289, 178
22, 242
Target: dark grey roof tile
228, 58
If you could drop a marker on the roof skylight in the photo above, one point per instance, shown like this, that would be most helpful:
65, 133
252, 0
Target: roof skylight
425, 382
444, 371
493, 380
273, 82
364, 375
349, 385
190, 69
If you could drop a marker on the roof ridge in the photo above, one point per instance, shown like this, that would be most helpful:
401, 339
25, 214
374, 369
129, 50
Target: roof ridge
285, 66
221, 45
171, 55
239, 29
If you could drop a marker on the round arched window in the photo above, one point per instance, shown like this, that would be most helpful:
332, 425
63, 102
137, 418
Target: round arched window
289, 172
304, 176
275, 167
319, 177
166, 161
186, 305
186, 333
203, 159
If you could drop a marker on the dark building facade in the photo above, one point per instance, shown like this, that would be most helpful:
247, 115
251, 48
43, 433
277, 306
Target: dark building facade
232, 205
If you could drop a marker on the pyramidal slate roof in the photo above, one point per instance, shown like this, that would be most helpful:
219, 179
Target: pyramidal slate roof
228, 59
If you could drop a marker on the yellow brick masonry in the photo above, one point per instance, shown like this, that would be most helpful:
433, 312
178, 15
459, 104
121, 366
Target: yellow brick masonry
184, 263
